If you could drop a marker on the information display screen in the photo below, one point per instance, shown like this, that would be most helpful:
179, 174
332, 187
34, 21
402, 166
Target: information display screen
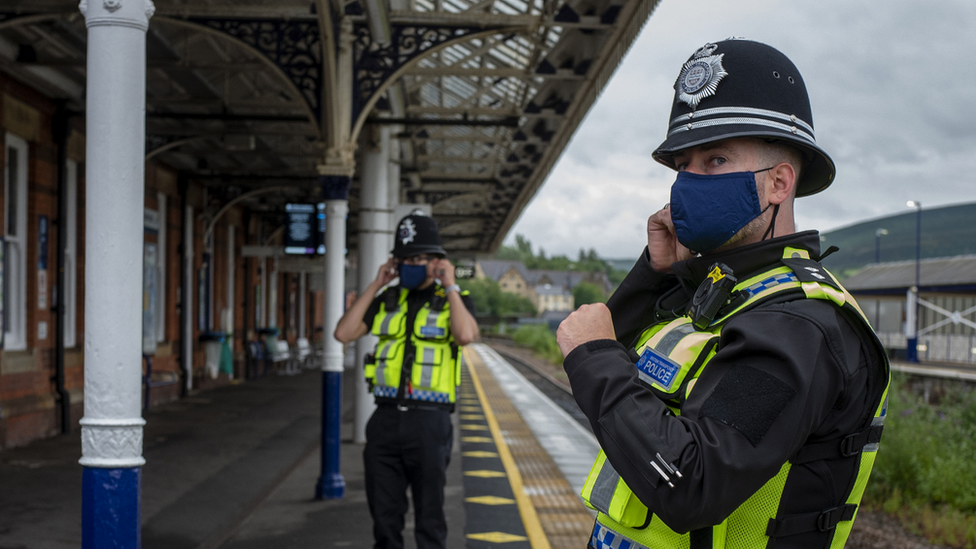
301, 230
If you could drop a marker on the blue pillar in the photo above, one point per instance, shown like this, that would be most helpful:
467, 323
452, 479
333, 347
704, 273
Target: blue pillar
335, 189
331, 484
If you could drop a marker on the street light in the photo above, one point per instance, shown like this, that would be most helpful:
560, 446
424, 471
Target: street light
911, 324
877, 243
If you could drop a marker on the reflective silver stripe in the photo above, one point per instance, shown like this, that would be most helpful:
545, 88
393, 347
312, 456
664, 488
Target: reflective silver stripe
381, 357
754, 121
604, 487
432, 319
684, 118
672, 338
385, 325
873, 446
427, 370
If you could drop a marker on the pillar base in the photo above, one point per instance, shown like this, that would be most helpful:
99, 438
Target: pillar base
111, 508
331, 485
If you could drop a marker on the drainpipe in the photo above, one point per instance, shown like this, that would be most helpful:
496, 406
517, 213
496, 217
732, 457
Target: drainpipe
112, 427
60, 130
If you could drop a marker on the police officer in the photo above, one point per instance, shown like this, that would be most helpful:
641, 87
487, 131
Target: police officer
736, 389
413, 374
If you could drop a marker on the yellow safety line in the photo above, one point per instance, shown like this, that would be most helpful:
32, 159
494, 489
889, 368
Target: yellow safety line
533, 527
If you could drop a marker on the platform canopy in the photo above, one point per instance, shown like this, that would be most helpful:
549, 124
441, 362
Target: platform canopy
483, 95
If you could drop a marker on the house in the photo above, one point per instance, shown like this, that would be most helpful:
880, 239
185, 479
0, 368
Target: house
547, 289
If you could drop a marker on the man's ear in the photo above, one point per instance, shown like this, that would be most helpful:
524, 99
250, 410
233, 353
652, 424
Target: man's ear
782, 183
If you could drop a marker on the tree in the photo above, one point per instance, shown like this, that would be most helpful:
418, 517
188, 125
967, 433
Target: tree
489, 299
587, 292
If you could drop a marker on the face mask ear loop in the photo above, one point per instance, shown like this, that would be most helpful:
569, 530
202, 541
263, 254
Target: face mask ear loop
771, 231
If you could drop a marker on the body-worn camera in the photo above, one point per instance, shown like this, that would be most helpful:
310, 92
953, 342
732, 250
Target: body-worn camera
712, 294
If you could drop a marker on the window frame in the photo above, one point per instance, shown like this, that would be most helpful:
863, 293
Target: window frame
15, 254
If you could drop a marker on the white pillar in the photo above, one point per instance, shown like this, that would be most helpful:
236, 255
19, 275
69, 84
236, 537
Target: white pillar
111, 432
189, 285
273, 294
264, 292
335, 246
228, 319
302, 303
374, 249
394, 184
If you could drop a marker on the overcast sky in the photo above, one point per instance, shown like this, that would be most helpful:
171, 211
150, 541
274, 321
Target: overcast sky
893, 89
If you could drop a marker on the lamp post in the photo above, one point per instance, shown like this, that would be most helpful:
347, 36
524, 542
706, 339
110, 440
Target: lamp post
877, 243
911, 317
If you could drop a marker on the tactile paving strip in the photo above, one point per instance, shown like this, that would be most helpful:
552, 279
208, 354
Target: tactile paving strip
566, 522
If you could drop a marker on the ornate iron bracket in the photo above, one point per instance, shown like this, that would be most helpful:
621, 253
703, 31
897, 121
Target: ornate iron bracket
374, 64
293, 46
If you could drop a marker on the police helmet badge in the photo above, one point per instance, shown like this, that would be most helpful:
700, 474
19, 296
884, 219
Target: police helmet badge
407, 231
700, 76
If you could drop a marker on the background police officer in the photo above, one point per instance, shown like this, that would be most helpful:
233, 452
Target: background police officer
413, 375
737, 391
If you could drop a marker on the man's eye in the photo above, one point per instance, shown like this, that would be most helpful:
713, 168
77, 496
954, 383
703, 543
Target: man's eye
718, 161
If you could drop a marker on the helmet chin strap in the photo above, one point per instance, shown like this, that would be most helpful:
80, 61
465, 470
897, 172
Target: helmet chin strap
771, 230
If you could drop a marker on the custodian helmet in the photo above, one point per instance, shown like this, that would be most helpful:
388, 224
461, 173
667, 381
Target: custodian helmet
417, 234
741, 88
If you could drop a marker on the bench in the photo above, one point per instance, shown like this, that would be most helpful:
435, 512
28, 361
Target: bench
152, 379
303, 353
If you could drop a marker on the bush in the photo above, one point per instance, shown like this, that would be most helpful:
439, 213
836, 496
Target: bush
538, 338
925, 468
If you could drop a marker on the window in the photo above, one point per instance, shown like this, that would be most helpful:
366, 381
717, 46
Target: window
70, 228
15, 269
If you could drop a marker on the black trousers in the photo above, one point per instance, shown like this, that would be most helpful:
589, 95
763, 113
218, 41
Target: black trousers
407, 448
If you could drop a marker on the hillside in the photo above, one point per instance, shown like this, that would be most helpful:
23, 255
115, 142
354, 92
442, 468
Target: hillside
946, 231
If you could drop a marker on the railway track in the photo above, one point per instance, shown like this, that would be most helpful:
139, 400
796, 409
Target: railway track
557, 391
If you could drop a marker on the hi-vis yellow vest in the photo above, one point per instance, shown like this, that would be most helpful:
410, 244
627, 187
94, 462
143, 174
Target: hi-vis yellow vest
624, 522
434, 358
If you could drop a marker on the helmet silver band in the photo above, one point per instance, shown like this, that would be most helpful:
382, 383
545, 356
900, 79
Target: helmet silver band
742, 110
742, 120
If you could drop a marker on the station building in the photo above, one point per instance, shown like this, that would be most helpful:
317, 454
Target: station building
458, 108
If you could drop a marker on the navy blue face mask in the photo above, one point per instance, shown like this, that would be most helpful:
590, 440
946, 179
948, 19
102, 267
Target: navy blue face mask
708, 210
412, 276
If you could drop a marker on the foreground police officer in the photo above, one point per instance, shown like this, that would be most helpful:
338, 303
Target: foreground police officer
737, 391
413, 375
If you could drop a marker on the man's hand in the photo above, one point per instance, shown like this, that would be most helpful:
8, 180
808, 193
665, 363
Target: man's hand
443, 270
386, 274
662, 242
588, 323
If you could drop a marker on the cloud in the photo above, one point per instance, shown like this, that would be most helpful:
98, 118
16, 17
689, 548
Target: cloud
891, 88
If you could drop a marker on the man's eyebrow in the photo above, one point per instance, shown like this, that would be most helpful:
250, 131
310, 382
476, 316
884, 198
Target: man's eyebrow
718, 145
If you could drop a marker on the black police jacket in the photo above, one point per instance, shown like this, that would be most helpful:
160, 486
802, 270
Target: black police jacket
830, 364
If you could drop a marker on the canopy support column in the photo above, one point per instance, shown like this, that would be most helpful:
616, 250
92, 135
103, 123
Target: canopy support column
111, 430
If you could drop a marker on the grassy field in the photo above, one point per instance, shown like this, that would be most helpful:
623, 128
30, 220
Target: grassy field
538, 338
925, 474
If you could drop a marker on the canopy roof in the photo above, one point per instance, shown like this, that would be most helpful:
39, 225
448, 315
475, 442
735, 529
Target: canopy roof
482, 95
